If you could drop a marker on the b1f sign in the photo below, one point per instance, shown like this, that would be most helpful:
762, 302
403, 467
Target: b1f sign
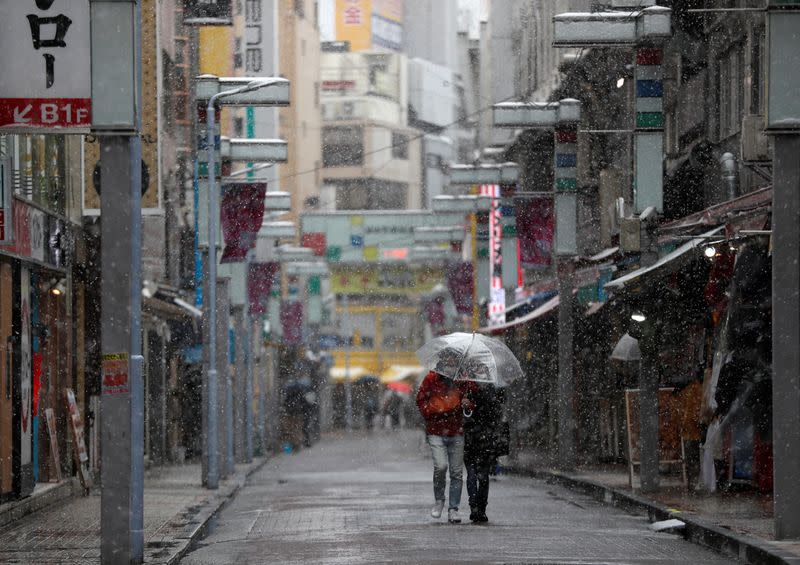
45, 65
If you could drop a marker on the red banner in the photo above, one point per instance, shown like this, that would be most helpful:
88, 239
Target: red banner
242, 212
260, 278
461, 284
535, 227
292, 321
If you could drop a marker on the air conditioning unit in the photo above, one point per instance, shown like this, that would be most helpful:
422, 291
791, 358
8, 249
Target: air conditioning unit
755, 145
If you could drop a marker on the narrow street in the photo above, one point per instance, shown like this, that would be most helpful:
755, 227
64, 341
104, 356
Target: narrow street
367, 500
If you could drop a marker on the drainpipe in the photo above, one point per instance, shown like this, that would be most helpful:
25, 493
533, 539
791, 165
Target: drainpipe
730, 174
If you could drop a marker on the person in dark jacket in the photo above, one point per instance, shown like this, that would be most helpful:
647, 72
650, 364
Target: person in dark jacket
481, 427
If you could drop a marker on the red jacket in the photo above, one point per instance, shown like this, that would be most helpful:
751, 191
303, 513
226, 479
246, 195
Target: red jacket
432, 392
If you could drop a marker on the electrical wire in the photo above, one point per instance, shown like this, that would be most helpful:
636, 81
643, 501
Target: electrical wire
412, 138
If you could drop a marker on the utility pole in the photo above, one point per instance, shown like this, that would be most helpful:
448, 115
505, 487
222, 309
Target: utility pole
783, 120
348, 385
116, 59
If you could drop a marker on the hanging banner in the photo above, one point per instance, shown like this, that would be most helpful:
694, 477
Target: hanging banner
292, 321
460, 281
497, 294
535, 227
260, 278
241, 214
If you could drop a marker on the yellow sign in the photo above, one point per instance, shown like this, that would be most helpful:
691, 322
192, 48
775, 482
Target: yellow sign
151, 199
353, 23
385, 279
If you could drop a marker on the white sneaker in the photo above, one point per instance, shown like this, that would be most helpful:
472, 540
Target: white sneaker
453, 517
436, 511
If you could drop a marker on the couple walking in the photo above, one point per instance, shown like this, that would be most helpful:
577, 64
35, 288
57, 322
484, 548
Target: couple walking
462, 426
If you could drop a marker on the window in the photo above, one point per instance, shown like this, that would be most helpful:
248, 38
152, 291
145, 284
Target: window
300, 8
38, 168
730, 92
757, 67
342, 146
399, 146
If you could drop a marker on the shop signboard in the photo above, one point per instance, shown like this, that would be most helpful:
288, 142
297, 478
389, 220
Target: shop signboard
45, 62
53, 437
37, 235
6, 215
385, 279
353, 23
26, 364
78, 442
387, 24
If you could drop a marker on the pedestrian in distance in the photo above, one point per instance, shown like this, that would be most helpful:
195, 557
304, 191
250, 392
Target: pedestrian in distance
483, 433
441, 401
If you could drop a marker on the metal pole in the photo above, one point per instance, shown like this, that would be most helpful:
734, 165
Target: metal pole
248, 388
348, 388
649, 380
786, 334
566, 421
210, 301
122, 456
473, 239
122, 399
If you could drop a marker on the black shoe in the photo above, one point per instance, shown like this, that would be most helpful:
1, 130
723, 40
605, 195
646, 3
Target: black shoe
480, 517
473, 516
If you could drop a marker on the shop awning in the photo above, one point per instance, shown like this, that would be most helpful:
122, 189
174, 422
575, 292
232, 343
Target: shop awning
667, 264
164, 309
191, 309
401, 372
750, 203
337, 374
542, 310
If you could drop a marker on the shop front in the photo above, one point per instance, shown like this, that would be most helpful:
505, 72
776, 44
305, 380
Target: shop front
36, 317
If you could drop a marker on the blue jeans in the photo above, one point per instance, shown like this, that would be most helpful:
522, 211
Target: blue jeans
447, 451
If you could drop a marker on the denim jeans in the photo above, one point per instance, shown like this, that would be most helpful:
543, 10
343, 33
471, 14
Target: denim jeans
447, 451
478, 484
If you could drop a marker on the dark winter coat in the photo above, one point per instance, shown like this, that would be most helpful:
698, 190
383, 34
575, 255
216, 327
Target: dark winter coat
481, 428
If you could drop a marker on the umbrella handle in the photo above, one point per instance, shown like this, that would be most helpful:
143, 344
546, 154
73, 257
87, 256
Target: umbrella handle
467, 413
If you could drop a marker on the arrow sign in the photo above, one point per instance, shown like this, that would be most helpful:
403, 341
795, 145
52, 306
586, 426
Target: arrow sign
21, 117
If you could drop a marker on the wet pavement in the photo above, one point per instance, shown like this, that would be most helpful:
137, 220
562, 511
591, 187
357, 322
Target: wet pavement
176, 508
366, 499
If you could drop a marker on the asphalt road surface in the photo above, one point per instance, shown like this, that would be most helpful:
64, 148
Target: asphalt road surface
367, 499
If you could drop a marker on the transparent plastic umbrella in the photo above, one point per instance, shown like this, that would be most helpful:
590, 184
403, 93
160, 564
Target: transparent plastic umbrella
472, 357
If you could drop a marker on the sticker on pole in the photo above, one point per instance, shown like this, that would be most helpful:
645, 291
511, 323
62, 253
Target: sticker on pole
115, 373
45, 64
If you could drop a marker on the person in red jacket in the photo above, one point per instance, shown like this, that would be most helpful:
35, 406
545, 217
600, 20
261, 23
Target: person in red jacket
441, 401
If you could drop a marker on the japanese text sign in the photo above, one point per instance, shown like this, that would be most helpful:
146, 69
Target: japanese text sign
45, 64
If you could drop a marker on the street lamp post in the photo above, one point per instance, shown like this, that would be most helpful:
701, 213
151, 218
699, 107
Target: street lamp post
562, 118
212, 446
643, 26
783, 122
